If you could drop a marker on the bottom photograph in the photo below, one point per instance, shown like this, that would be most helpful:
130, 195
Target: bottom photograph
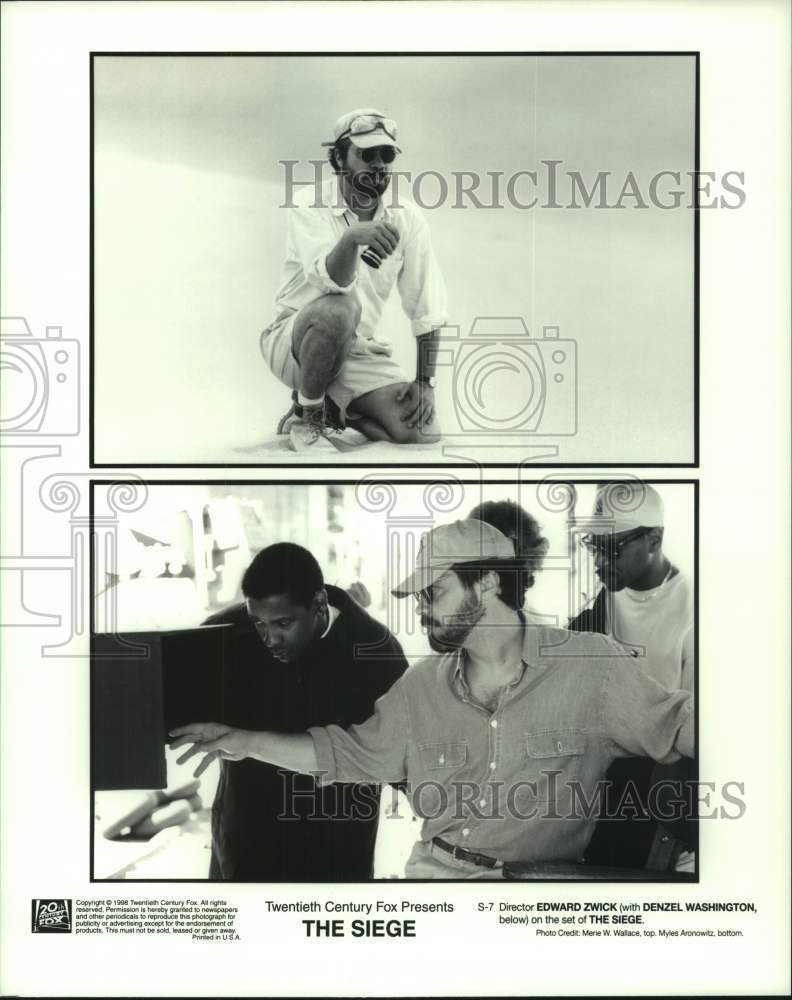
394, 679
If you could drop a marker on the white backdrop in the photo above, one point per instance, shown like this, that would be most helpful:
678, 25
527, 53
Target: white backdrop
190, 239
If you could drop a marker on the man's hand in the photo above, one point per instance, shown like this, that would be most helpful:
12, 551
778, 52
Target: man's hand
418, 398
380, 236
213, 739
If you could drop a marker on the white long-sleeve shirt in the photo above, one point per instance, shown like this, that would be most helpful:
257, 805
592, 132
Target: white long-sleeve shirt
659, 625
315, 229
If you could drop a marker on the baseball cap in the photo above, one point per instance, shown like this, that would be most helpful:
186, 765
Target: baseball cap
626, 506
446, 546
366, 127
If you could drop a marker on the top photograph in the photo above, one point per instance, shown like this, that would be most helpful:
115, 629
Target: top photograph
396, 259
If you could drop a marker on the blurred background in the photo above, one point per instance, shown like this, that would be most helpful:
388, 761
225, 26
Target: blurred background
190, 235
182, 555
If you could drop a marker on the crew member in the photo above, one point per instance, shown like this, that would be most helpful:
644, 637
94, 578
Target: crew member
344, 253
645, 603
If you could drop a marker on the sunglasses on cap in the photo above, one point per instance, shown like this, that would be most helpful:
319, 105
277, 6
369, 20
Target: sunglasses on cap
609, 546
366, 124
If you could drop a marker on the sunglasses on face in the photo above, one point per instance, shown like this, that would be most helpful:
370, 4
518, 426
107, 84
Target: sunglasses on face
430, 593
610, 546
386, 153
425, 596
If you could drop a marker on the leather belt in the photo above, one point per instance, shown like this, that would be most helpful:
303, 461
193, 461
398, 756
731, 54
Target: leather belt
461, 854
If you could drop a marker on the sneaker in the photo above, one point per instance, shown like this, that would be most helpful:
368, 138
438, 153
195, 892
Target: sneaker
288, 418
310, 432
333, 418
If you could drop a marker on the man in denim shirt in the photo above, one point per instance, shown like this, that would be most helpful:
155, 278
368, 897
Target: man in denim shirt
502, 737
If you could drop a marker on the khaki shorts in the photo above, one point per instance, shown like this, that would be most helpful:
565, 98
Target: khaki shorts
366, 367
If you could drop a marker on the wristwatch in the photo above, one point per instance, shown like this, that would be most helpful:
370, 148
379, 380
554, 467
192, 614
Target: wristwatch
429, 380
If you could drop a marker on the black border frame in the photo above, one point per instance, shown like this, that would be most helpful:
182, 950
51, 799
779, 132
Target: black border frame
694, 464
93, 483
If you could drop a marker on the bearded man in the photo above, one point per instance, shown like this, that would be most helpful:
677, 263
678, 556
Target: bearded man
345, 251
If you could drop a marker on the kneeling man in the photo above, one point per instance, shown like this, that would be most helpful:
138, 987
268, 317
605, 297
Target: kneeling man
325, 342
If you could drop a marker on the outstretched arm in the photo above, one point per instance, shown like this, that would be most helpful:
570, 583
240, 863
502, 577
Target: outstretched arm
374, 751
294, 751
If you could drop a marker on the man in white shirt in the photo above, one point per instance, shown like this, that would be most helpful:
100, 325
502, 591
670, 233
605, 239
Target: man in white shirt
325, 341
647, 605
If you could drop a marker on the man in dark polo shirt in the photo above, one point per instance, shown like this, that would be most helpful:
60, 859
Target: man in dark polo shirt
301, 654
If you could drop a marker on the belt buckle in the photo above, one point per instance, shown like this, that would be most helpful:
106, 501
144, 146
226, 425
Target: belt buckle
457, 852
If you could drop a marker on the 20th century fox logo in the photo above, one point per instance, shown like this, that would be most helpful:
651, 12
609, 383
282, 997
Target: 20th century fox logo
51, 916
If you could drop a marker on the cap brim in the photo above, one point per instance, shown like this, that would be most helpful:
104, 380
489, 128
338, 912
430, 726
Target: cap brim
422, 578
618, 524
372, 139
368, 141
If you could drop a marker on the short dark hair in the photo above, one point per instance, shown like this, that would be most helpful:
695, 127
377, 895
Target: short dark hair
522, 529
283, 568
513, 578
337, 154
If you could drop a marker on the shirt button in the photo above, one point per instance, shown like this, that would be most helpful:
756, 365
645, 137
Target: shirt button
465, 832
494, 723
492, 765
559, 746
482, 802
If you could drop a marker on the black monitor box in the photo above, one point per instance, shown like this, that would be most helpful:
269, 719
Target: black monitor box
142, 685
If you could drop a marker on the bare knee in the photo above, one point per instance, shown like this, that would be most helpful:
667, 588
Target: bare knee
328, 323
387, 409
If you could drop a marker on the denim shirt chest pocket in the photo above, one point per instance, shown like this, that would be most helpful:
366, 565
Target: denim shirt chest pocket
441, 758
553, 759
